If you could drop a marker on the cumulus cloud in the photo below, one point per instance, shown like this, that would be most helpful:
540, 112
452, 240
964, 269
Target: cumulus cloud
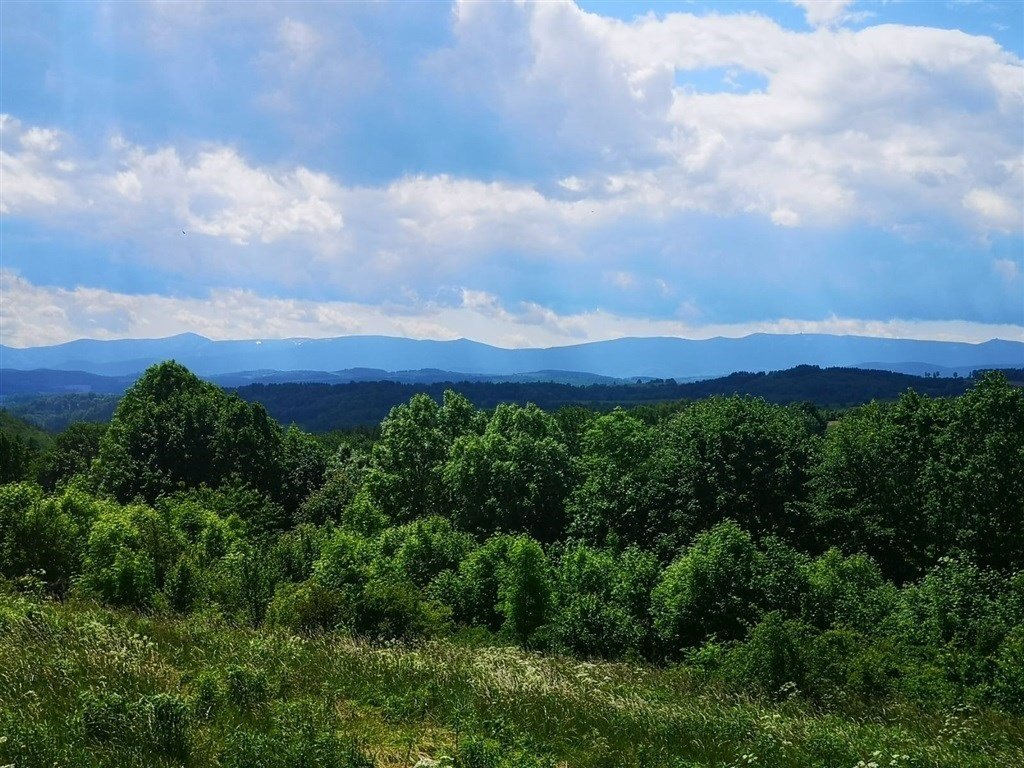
616, 156
824, 13
995, 209
34, 315
887, 125
214, 191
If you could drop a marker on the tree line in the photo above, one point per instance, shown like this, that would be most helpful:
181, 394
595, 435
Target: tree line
878, 555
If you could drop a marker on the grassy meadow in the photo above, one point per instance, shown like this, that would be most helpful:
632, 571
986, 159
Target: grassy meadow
85, 686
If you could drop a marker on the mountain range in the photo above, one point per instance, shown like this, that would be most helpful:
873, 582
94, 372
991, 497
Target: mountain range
362, 358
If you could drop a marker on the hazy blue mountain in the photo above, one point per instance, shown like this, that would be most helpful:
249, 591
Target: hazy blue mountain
619, 358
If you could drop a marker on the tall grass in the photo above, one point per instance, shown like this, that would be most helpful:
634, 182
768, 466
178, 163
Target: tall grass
84, 686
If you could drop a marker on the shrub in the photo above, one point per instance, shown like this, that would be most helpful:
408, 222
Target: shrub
843, 591
472, 592
422, 549
308, 607
601, 601
395, 609
524, 588
184, 587
709, 590
40, 535
1008, 675
773, 656
129, 552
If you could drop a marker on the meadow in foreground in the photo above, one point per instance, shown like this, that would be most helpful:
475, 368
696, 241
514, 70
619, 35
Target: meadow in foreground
85, 686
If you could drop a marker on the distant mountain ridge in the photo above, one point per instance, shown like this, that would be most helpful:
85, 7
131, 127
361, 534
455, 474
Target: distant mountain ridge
654, 357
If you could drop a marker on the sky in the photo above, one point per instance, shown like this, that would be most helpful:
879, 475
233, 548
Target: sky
515, 173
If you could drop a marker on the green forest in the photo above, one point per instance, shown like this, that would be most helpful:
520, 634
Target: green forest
722, 582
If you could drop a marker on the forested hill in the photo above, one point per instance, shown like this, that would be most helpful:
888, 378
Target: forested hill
321, 407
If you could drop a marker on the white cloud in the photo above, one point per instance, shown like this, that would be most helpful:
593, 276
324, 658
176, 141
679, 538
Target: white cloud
44, 140
213, 191
784, 217
888, 125
995, 209
824, 13
299, 41
33, 315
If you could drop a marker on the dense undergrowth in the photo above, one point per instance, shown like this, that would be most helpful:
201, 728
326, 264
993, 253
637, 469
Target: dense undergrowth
722, 583
84, 686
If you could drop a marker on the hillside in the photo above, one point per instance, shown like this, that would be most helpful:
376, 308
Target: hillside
126, 690
321, 407
729, 583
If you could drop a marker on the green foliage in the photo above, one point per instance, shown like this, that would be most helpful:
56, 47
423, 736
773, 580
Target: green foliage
71, 453
620, 492
420, 550
1008, 677
246, 688
959, 604
42, 535
169, 717
737, 458
973, 483
404, 476
601, 601
845, 592
104, 715
869, 566
308, 607
524, 588
773, 659
305, 462
472, 592
343, 478
16, 458
172, 431
392, 609
20, 446
128, 555
512, 478
914, 481
708, 591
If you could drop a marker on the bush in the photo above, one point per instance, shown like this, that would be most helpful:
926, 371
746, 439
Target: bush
308, 607
844, 592
601, 601
422, 549
41, 535
524, 588
129, 552
472, 592
184, 587
1008, 675
395, 610
773, 658
709, 591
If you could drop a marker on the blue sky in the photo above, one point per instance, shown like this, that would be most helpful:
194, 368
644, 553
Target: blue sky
521, 174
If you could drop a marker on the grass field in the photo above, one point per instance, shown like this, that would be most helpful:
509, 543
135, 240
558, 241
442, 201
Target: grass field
83, 686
